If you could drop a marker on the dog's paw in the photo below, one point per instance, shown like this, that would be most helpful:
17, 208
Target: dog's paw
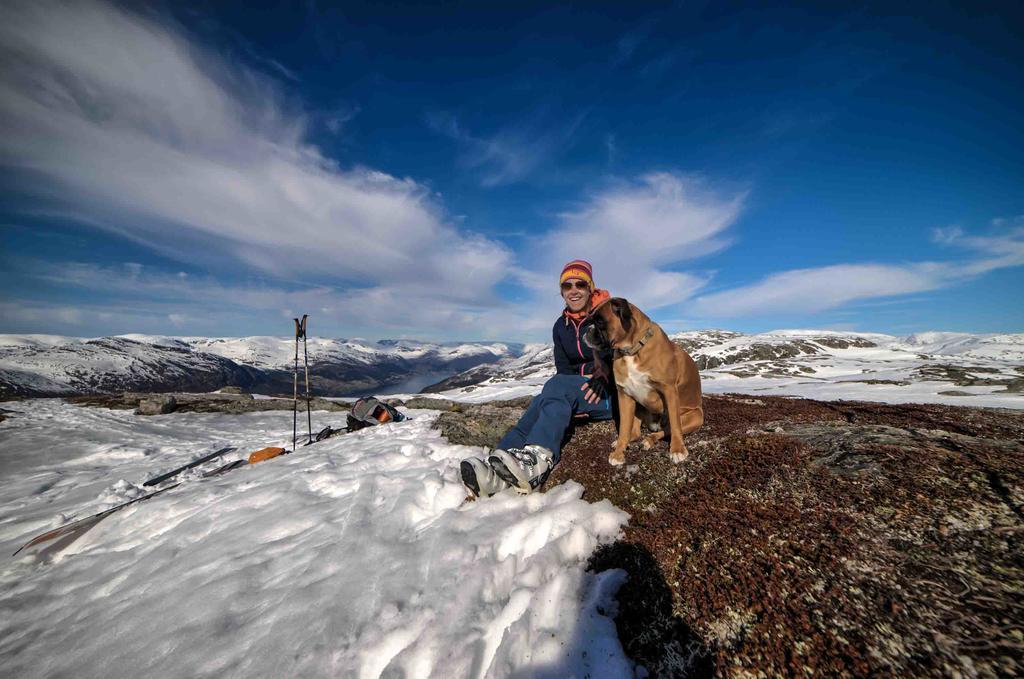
647, 444
617, 460
679, 458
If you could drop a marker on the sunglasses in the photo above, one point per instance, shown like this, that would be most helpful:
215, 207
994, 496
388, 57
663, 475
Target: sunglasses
579, 285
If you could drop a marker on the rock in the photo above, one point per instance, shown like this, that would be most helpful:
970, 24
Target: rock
233, 390
477, 425
317, 403
521, 402
428, 403
205, 403
157, 405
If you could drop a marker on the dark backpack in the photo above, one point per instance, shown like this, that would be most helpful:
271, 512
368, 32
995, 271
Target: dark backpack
371, 411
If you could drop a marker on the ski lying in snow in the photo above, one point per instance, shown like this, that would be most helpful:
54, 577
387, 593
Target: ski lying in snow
226, 468
195, 463
70, 532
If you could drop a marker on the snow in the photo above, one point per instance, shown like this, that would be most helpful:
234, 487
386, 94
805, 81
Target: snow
1006, 347
37, 340
353, 557
156, 340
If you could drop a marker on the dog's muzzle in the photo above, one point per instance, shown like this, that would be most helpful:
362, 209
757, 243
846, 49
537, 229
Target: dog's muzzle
595, 339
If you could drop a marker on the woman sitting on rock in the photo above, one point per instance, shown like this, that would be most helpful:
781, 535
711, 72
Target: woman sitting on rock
528, 452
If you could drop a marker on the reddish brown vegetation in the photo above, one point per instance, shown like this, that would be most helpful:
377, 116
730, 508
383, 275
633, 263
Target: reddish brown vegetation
835, 538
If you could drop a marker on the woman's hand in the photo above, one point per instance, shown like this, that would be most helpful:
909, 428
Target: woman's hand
594, 389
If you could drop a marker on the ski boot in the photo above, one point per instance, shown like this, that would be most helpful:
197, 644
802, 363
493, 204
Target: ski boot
522, 468
479, 478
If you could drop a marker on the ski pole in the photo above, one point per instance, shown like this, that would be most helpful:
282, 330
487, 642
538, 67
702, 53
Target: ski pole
295, 385
305, 362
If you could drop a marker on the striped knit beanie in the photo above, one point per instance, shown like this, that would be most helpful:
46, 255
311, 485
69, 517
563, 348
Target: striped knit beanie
578, 268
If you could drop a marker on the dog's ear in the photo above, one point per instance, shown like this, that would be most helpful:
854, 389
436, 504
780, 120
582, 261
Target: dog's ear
621, 308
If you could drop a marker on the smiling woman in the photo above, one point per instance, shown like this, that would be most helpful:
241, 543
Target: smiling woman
529, 451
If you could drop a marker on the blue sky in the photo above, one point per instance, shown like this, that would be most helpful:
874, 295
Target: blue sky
418, 172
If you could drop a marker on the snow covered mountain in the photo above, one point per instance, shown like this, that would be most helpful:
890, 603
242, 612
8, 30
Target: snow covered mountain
969, 369
933, 367
535, 361
38, 365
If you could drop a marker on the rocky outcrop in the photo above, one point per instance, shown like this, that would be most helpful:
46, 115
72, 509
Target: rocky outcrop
202, 403
969, 376
482, 424
157, 405
759, 351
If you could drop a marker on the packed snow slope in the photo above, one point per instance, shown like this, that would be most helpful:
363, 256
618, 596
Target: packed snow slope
952, 368
41, 365
354, 557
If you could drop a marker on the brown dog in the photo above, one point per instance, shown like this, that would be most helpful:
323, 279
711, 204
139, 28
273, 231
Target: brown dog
651, 371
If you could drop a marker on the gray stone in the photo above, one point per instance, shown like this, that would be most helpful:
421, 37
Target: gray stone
477, 425
428, 403
157, 405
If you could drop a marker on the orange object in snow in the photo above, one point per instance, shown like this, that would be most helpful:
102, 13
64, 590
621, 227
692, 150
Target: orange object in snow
265, 454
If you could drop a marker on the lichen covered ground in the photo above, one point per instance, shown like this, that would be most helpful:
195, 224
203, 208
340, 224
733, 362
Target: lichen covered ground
828, 537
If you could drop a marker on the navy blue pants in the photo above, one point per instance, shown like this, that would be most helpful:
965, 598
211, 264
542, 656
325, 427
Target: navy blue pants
545, 421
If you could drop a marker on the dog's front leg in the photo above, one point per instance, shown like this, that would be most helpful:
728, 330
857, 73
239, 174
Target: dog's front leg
627, 412
634, 434
677, 451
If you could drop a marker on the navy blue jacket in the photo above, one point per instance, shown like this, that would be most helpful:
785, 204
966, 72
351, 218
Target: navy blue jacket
572, 355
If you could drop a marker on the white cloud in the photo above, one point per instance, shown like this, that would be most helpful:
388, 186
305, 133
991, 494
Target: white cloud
813, 290
148, 300
945, 235
510, 154
817, 289
124, 121
337, 121
637, 234
1000, 251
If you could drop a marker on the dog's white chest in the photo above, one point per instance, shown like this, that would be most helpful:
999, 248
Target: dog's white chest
637, 383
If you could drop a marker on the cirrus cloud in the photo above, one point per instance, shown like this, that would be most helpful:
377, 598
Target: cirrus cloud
638, 234
126, 123
818, 289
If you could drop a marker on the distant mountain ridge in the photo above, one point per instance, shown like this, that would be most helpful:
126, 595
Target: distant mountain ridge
924, 365
818, 363
43, 365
